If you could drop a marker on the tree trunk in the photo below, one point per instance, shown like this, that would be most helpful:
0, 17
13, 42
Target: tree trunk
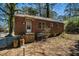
47, 10
10, 25
11, 18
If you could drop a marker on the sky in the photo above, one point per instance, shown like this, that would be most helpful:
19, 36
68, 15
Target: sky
59, 8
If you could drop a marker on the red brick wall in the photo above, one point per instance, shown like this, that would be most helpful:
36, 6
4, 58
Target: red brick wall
57, 27
20, 25
33, 26
36, 22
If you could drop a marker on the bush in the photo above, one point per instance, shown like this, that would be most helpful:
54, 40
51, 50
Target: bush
72, 26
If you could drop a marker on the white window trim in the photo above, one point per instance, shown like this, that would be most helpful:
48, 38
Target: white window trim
30, 24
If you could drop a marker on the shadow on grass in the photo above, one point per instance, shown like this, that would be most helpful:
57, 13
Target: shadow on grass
7, 48
75, 51
72, 33
11, 47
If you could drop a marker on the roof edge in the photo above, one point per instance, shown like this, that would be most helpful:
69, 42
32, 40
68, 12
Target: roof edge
38, 17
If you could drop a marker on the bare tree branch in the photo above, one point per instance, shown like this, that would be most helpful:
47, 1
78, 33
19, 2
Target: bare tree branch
4, 11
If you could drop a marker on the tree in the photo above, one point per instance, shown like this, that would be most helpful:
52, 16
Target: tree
42, 9
30, 10
9, 9
47, 10
72, 9
39, 9
53, 15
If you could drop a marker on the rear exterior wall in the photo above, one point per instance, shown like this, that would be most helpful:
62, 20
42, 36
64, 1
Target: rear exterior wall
20, 26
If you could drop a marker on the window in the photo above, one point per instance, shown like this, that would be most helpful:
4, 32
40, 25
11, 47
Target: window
43, 25
28, 26
39, 25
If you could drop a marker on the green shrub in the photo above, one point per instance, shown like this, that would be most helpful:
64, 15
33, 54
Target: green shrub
72, 26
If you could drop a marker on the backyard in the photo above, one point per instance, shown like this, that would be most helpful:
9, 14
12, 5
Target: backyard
62, 45
38, 18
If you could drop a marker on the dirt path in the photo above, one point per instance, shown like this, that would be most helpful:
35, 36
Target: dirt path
55, 46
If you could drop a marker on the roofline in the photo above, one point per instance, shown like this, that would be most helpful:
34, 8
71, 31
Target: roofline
38, 17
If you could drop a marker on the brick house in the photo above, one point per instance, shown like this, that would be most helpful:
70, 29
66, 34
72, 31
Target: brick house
35, 24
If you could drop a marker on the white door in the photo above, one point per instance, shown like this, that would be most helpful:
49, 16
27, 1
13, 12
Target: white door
28, 26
